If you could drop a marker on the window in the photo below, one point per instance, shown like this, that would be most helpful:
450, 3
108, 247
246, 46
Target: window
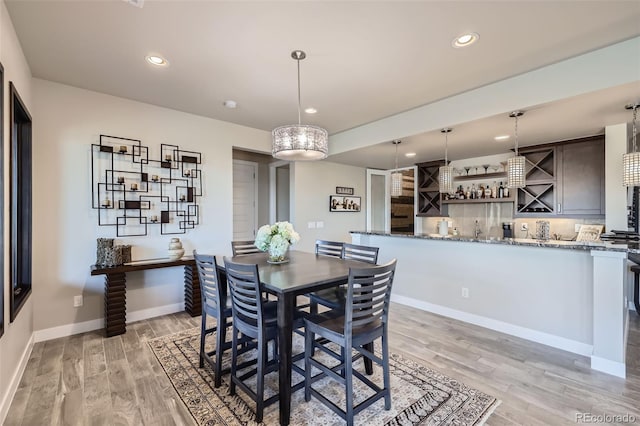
20, 172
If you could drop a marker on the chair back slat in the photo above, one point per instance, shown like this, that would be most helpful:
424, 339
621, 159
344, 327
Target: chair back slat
361, 253
368, 295
242, 248
246, 303
329, 248
214, 295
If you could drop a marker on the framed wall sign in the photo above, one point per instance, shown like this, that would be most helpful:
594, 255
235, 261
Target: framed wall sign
338, 203
344, 190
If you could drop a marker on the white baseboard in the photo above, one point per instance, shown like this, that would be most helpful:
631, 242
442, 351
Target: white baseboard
15, 381
503, 327
83, 327
607, 366
154, 312
632, 306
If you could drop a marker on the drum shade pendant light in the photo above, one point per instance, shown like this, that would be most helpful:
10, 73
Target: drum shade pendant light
516, 165
300, 142
396, 176
445, 173
631, 161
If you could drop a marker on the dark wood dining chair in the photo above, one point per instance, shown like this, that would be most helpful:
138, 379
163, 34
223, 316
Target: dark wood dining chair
365, 320
214, 304
241, 248
334, 298
255, 318
324, 248
329, 248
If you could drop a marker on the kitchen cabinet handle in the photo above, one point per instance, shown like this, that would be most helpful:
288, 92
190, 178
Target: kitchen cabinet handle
559, 207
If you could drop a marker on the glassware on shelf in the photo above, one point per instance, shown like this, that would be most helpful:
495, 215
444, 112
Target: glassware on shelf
486, 168
542, 230
467, 168
494, 168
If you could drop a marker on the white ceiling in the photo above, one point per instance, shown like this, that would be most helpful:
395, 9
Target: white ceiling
365, 60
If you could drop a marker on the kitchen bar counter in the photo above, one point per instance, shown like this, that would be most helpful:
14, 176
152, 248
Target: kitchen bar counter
569, 295
629, 247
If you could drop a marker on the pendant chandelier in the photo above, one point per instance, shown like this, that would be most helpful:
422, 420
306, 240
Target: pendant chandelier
300, 142
631, 161
396, 176
516, 175
445, 173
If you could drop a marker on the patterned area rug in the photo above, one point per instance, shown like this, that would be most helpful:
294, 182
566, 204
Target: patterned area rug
419, 395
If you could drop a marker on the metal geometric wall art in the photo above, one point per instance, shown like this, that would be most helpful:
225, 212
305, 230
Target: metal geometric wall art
132, 191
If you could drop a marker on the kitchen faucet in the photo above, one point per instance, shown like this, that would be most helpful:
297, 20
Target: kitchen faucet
477, 231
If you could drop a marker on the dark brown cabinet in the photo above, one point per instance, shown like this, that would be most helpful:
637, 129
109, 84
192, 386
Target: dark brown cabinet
428, 188
581, 174
564, 179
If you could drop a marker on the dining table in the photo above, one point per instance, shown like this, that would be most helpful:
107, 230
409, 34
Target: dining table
302, 274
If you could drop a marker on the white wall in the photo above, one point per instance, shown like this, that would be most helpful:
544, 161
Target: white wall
615, 145
312, 183
65, 228
542, 294
16, 341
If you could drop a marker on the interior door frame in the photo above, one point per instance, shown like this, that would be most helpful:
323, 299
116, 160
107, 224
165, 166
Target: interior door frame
255, 191
273, 189
387, 197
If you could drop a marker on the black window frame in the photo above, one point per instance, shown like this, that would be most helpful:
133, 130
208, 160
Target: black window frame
21, 136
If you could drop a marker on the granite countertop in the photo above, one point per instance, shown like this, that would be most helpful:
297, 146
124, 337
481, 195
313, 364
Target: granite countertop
628, 247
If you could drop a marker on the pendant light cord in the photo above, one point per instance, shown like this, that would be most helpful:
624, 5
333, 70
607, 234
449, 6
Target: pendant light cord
299, 103
516, 135
446, 148
396, 143
635, 115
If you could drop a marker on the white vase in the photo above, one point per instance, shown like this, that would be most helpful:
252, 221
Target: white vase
175, 249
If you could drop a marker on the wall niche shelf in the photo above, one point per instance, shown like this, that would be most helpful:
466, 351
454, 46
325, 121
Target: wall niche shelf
480, 201
480, 176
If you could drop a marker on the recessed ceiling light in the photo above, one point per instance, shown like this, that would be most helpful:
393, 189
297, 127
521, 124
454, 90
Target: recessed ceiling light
230, 104
310, 110
465, 40
410, 154
502, 137
157, 60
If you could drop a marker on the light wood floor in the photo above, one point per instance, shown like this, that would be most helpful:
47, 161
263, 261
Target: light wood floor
90, 380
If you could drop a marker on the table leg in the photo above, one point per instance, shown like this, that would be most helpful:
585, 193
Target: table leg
286, 304
636, 292
192, 295
115, 304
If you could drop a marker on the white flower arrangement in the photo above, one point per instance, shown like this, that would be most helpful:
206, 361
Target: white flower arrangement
276, 239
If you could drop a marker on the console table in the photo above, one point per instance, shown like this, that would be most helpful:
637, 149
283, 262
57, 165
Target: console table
115, 289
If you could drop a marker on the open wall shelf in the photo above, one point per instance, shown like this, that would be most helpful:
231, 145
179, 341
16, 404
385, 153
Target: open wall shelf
132, 191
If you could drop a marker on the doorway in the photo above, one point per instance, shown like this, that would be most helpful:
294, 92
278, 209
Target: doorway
391, 214
280, 191
245, 195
